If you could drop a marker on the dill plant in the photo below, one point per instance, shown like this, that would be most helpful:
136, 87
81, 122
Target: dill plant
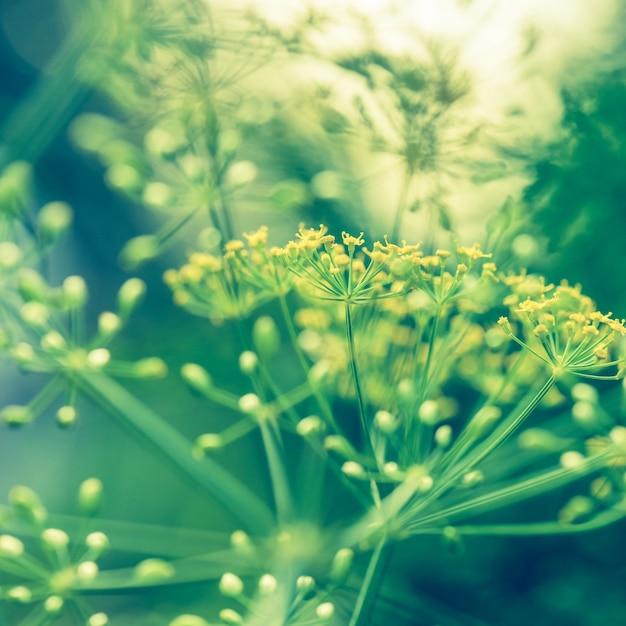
408, 384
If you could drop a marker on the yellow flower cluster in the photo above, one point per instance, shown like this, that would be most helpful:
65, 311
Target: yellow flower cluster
563, 328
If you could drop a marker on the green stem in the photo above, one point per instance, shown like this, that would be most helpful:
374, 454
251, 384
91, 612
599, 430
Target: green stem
293, 336
150, 427
374, 575
355, 377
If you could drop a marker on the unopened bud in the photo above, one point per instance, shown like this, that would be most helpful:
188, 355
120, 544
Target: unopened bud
342, 561
197, 378
138, 250
53, 342
311, 425
354, 470
35, 314
576, 509
31, 285
150, 367
267, 585
248, 362
10, 547
27, 505
231, 585
266, 337
53, 605
16, 415
55, 538
306, 586
53, 220
249, 403
74, 292
10, 255
109, 323
208, 441
98, 358
20, 594
325, 611
189, 620
230, 617
87, 571
153, 571
98, 619
90, 496
428, 412
97, 543
443, 436
66, 416
385, 422
340, 445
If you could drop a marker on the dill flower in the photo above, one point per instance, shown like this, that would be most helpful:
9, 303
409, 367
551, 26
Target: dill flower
562, 328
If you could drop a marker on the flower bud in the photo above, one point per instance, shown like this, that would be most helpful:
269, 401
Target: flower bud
267, 585
150, 367
16, 415
53, 605
325, 611
10, 255
428, 412
576, 509
385, 422
98, 358
87, 571
66, 416
158, 195
31, 285
354, 470
248, 362
90, 496
53, 342
197, 378
240, 541
129, 296
98, 619
208, 441
572, 460
11, 547
55, 538
230, 617
74, 292
138, 250
310, 425
109, 323
27, 505
53, 220
35, 313
189, 620
20, 594
153, 571
265, 336
342, 561
231, 585
249, 403
97, 543
443, 436
341, 446
306, 586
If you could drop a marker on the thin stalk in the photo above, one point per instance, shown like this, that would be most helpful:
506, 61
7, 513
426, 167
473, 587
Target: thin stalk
355, 377
370, 587
168, 442
293, 336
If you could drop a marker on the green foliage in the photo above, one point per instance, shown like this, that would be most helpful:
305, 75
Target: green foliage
340, 397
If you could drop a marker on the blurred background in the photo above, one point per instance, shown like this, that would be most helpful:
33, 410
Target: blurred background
519, 116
